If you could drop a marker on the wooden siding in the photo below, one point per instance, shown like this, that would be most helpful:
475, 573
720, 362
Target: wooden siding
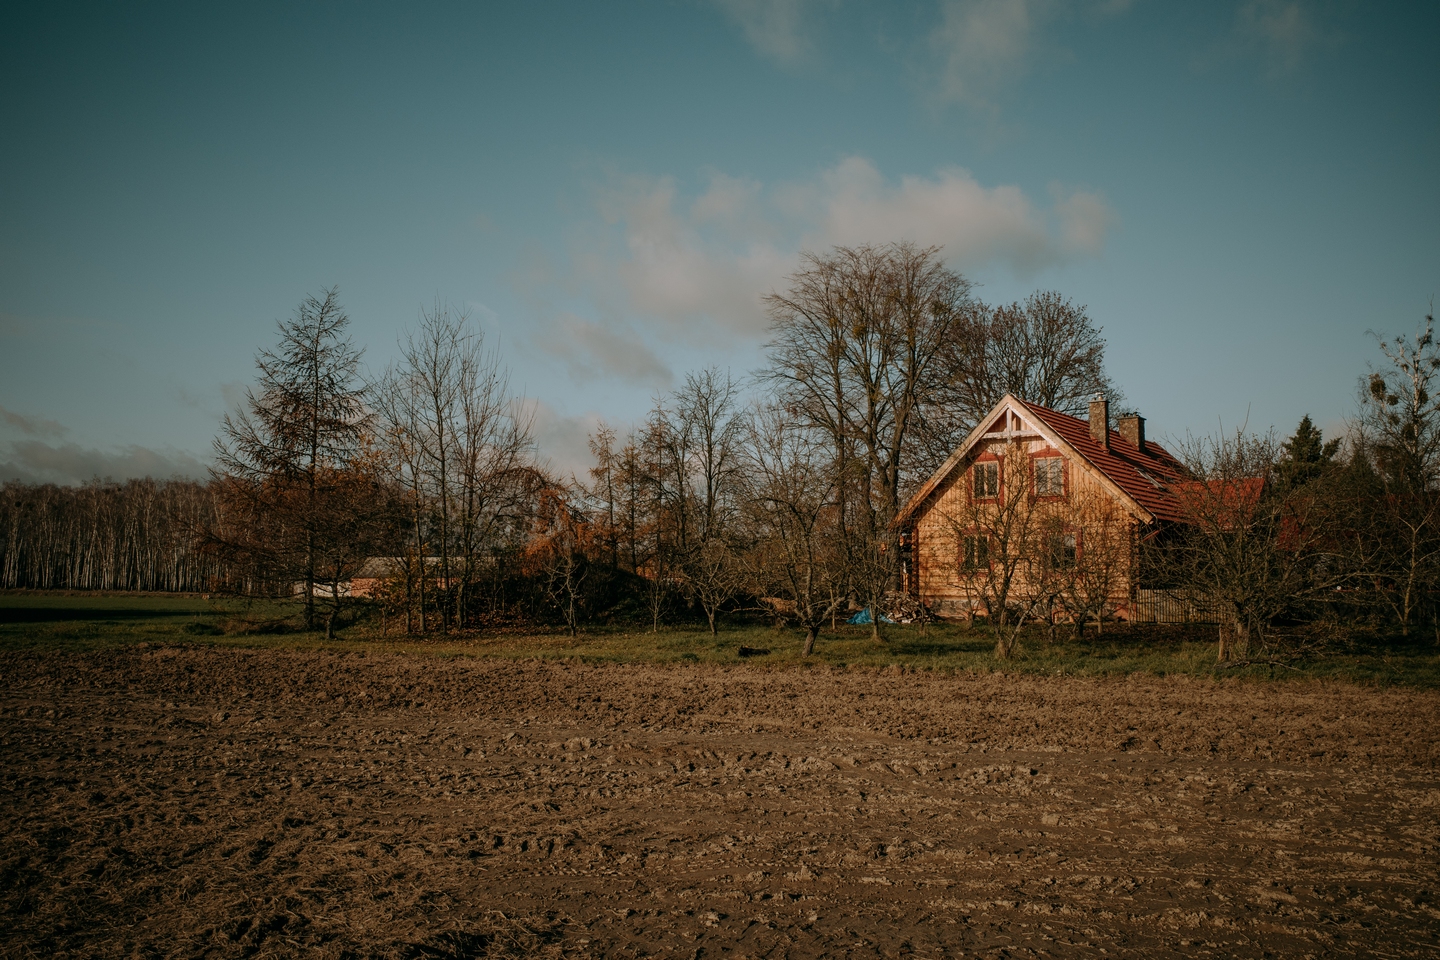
937, 525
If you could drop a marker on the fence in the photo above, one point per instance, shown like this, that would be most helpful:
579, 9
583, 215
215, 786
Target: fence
1176, 606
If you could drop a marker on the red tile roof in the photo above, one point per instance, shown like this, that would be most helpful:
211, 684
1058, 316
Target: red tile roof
1149, 476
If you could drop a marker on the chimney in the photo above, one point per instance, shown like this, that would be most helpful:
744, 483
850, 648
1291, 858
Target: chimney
1132, 428
1100, 420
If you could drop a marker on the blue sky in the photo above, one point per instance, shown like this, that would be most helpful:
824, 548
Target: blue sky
1238, 191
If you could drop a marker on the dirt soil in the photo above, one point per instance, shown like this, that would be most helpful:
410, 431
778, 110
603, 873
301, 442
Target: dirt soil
232, 803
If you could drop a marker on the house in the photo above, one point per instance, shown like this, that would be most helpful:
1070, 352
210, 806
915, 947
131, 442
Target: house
1034, 497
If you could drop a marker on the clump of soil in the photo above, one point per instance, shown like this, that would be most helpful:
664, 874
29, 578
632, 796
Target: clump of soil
236, 803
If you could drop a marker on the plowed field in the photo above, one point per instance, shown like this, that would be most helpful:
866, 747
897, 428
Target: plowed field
229, 803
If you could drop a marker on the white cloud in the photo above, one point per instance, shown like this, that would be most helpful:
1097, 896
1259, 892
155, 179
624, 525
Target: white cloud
732, 204
40, 456
982, 45
698, 268
705, 266
775, 28
563, 441
593, 350
666, 274
1085, 221
852, 203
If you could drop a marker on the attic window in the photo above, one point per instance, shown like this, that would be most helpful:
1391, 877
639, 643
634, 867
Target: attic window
1050, 477
987, 480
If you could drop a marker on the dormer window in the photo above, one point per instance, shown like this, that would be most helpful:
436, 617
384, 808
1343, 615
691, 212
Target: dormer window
987, 479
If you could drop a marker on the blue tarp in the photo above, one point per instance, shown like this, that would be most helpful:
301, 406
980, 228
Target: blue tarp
864, 617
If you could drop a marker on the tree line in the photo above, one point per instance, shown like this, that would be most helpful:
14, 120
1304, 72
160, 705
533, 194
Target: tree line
781, 487
1308, 538
136, 535
777, 491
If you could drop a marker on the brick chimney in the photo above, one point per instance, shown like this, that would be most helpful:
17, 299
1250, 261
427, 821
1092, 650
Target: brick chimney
1132, 428
1100, 420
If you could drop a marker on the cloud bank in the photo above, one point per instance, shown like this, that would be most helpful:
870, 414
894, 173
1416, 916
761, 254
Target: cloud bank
40, 456
564, 440
70, 464
32, 426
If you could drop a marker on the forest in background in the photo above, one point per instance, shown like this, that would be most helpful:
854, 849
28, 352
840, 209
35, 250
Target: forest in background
781, 486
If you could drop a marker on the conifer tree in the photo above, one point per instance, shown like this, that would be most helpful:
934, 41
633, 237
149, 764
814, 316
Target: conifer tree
289, 447
1306, 455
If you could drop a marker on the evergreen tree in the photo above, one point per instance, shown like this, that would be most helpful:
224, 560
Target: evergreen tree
287, 453
1306, 456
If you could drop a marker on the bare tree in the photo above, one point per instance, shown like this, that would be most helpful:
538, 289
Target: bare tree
1250, 545
857, 340
664, 462
1045, 350
303, 425
1095, 548
559, 550
707, 414
1397, 434
398, 412
495, 459
431, 371
605, 489
140, 534
462, 444
623, 493
793, 505
632, 514
363, 516
714, 575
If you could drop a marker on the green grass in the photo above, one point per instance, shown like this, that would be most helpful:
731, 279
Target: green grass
77, 622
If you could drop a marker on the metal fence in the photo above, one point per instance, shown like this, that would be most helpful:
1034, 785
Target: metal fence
1176, 606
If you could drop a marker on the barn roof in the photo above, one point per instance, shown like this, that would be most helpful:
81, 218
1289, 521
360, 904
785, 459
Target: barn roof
1148, 477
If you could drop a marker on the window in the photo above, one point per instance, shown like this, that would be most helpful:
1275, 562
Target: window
1050, 477
1062, 551
977, 552
987, 480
